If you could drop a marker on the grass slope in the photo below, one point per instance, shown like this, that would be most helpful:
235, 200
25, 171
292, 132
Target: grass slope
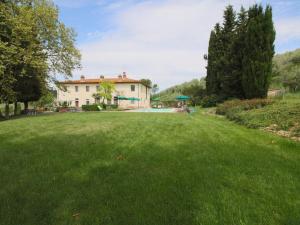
282, 115
131, 168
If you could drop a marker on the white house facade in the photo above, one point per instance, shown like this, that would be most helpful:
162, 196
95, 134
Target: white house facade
80, 92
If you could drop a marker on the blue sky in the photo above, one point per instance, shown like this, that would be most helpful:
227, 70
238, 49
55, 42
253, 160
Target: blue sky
163, 40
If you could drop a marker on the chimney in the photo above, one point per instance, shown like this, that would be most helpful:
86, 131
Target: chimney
120, 76
101, 76
124, 75
82, 77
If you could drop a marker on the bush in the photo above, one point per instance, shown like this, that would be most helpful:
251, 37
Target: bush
111, 107
90, 107
209, 101
230, 107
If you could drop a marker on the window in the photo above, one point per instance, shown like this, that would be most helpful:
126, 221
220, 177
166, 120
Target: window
87, 88
97, 88
132, 101
87, 102
76, 88
108, 102
132, 88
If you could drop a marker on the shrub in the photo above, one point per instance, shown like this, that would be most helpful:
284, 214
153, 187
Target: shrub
90, 107
111, 107
209, 101
230, 107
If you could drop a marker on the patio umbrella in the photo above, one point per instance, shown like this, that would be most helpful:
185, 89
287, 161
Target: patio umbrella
122, 98
133, 99
182, 98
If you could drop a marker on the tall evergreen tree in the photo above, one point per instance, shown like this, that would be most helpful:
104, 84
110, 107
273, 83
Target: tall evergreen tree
237, 55
210, 74
227, 38
213, 84
258, 52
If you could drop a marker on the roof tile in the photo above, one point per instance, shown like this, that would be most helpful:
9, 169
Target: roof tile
99, 80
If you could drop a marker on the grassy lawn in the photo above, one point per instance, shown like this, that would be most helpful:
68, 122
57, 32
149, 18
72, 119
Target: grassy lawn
137, 168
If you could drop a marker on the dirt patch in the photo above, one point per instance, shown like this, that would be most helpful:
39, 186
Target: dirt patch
291, 133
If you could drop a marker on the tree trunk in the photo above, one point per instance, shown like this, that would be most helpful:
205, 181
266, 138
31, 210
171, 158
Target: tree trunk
6, 110
25, 107
15, 108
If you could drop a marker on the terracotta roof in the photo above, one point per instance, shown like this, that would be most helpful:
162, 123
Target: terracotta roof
96, 81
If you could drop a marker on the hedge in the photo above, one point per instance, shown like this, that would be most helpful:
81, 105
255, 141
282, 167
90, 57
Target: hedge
90, 107
233, 106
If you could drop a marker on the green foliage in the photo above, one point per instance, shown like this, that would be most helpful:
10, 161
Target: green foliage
105, 91
237, 55
227, 37
228, 107
192, 87
196, 92
286, 71
64, 104
34, 47
213, 85
112, 107
240, 54
93, 107
146, 82
259, 52
276, 115
155, 89
209, 101
46, 100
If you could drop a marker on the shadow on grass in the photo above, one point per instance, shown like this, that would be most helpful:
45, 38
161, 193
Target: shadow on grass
99, 186
123, 174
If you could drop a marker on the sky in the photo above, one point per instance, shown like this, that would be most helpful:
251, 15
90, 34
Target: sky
161, 40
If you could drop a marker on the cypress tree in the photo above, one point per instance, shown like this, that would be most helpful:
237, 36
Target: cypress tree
237, 55
213, 65
227, 38
258, 52
210, 75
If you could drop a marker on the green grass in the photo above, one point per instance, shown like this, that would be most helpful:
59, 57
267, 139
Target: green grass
284, 113
137, 169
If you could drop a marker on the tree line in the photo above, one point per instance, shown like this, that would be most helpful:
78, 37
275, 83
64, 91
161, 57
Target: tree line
286, 71
240, 53
34, 46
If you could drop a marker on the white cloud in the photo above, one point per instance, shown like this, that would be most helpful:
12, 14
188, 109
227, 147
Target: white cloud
164, 41
287, 29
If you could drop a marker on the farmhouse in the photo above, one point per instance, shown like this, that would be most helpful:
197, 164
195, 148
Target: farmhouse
129, 93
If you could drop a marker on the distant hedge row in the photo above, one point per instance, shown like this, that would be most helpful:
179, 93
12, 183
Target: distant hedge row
90, 107
231, 108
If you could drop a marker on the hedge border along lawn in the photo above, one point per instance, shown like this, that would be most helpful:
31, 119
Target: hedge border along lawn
281, 116
136, 168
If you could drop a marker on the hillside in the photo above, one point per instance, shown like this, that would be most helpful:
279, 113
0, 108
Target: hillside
171, 93
287, 70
